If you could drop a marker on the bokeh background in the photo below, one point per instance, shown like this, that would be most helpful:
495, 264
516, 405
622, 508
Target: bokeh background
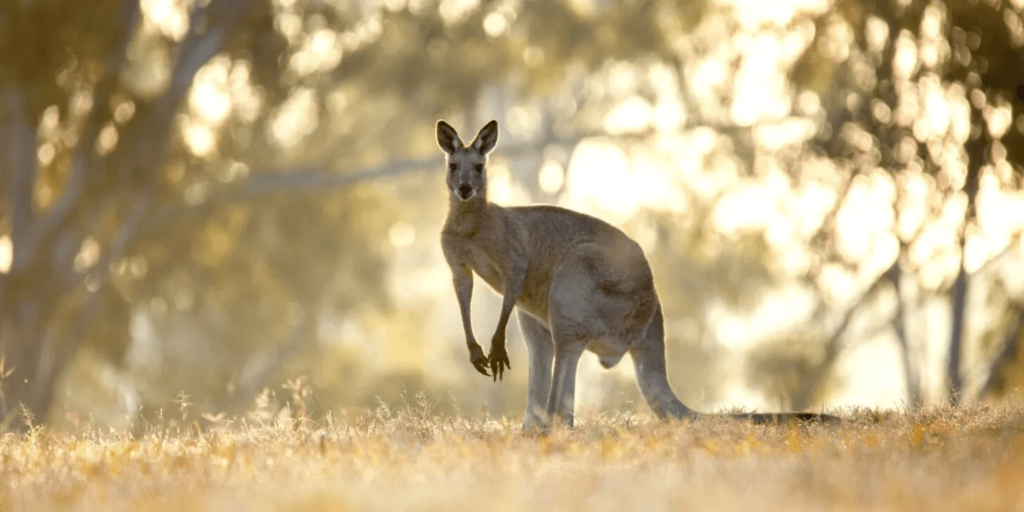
232, 204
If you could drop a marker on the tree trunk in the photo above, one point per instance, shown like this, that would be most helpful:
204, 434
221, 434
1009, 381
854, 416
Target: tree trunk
23, 305
958, 302
977, 150
910, 375
29, 387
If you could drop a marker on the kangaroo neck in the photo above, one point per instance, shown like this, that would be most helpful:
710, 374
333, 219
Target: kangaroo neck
467, 217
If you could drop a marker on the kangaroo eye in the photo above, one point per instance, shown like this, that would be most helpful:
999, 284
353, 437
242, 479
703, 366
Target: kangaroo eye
451, 167
479, 167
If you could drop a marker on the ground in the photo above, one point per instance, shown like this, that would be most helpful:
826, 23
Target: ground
968, 458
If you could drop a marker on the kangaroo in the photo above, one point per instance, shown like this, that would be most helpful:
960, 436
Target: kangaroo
577, 282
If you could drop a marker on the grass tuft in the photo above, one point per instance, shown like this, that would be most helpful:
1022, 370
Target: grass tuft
409, 457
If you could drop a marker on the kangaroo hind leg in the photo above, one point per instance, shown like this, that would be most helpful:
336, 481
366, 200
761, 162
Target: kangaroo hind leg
570, 338
562, 400
541, 352
575, 319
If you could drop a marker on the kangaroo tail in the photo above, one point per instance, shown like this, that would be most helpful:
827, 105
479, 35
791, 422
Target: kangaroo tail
651, 376
776, 418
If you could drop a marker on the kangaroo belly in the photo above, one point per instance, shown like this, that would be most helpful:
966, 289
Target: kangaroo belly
609, 352
534, 298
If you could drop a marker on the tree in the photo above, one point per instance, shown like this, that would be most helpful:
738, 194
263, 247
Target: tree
923, 91
130, 192
107, 179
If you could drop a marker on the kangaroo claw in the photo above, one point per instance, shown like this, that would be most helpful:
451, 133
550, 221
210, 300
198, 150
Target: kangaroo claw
498, 360
479, 360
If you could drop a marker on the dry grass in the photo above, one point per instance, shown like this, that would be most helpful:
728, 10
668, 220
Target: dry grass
947, 459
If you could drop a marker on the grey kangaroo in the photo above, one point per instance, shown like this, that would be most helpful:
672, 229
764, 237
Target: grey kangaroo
578, 284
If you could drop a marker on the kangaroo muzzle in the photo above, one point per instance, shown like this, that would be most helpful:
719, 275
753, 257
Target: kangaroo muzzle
465, 191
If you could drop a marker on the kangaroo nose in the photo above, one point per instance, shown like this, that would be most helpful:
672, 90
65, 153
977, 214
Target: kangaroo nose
465, 191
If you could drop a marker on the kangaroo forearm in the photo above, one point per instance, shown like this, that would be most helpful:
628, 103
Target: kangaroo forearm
513, 288
499, 332
467, 322
463, 282
467, 326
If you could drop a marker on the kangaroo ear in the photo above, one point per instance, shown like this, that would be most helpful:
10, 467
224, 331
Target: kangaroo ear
487, 138
447, 137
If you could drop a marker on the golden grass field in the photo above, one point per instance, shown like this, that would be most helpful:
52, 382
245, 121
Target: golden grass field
968, 458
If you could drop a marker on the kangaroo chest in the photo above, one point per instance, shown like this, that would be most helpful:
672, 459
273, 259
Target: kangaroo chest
484, 266
533, 298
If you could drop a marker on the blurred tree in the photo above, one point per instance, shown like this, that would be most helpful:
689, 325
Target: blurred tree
1007, 370
139, 135
189, 169
92, 94
928, 92
76, 197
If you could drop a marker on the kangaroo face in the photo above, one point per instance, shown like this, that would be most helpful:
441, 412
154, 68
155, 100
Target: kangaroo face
467, 174
467, 165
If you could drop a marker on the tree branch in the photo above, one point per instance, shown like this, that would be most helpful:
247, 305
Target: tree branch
202, 41
834, 342
834, 346
314, 179
82, 159
319, 179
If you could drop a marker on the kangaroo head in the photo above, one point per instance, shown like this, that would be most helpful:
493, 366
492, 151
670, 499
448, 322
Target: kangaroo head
467, 165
